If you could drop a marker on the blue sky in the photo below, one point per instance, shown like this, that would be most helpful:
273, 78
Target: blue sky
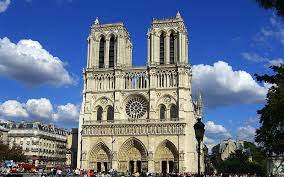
43, 50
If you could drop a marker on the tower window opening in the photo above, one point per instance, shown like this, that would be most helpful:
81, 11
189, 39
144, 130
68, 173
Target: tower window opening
174, 112
102, 52
163, 112
172, 49
99, 113
162, 49
111, 52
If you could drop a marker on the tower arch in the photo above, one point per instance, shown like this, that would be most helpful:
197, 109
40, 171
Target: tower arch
100, 157
133, 156
166, 157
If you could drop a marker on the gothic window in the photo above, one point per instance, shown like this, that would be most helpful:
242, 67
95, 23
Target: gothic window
162, 49
99, 113
173, 112
110, 114
111, 52
102, 53
162, 112
172, 49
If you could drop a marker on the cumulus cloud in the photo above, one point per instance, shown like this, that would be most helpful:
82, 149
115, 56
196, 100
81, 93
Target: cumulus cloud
13, 108
67, 112
28, 62
215, 133
4, 4
221, 85
246, 133
40, 110
39, 107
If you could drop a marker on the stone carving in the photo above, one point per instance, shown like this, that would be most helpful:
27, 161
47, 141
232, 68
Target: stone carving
104, 101
167, 99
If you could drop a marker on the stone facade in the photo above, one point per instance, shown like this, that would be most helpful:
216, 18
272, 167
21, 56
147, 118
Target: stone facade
72, 148
138, 118
42, 144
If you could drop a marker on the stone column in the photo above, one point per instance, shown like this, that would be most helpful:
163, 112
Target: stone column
148, 49
152, 48
107, 54
167, 49
179, 54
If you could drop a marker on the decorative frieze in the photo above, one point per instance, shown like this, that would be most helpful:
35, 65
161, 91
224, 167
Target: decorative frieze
130, 129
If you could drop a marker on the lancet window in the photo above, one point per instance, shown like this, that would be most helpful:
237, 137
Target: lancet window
172, 48
99, 113
102, 52
111, 52
162, 48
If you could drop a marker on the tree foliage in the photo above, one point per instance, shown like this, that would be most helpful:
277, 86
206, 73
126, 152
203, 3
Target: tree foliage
14, 153
270, 135
277, 5
238, 163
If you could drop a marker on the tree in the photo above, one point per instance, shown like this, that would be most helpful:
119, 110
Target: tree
277, 5
238, 163
14, 153
270, 135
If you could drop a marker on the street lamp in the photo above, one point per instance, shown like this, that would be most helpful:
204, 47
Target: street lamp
199, 133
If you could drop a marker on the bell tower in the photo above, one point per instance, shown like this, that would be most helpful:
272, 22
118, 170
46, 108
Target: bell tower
167, 41
109, 46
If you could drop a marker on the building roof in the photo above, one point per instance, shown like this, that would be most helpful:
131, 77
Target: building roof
3, 129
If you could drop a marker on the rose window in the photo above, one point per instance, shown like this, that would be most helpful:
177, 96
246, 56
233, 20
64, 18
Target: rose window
136, 107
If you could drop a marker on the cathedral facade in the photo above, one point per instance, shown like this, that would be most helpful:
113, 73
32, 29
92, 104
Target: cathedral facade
138, 118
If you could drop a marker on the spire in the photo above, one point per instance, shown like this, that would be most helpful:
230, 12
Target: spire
178, 15
97, 21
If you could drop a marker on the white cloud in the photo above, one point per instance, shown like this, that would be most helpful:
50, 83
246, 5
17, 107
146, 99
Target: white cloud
251, 56
39, 107
221, 85
214, 134
13, 108
40, 110
246, 133
273, 31
28, 62
67, 112
275, 62
4, 4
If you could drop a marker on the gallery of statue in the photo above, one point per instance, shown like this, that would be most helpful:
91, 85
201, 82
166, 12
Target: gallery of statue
136, 119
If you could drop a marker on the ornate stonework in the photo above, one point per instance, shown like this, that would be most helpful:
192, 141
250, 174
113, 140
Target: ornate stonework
138, 118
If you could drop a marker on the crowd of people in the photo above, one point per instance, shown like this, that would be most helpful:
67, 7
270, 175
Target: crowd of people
68, 172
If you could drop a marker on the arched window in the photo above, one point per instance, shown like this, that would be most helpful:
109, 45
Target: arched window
163, 112
162, 49
110, 114
111, 52
172, 49
99, 113
102, 53
173, 112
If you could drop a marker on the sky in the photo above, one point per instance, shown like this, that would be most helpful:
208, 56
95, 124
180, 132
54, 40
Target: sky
43, 52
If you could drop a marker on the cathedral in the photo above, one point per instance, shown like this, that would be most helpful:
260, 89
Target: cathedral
138, 119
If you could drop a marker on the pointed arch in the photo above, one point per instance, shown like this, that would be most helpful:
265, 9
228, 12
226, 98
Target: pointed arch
111, 51
102, 52
110, 114
166, 153
98, 155
133, 149
173, 112
172, 48
162, 48
162, 112
99, 113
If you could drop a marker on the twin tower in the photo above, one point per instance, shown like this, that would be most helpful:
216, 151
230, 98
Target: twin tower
110, 44
138, 119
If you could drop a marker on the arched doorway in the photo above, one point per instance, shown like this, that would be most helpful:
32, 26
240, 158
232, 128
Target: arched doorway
133, 156
166, 157
100, 158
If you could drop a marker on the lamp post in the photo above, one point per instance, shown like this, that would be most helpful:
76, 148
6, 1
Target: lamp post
199, 133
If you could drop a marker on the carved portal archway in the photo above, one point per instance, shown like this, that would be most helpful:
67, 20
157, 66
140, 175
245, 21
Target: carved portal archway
133, 156
166, 157
100, 158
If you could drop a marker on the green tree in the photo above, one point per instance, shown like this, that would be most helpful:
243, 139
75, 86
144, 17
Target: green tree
14, 153
270, 135
277, 5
